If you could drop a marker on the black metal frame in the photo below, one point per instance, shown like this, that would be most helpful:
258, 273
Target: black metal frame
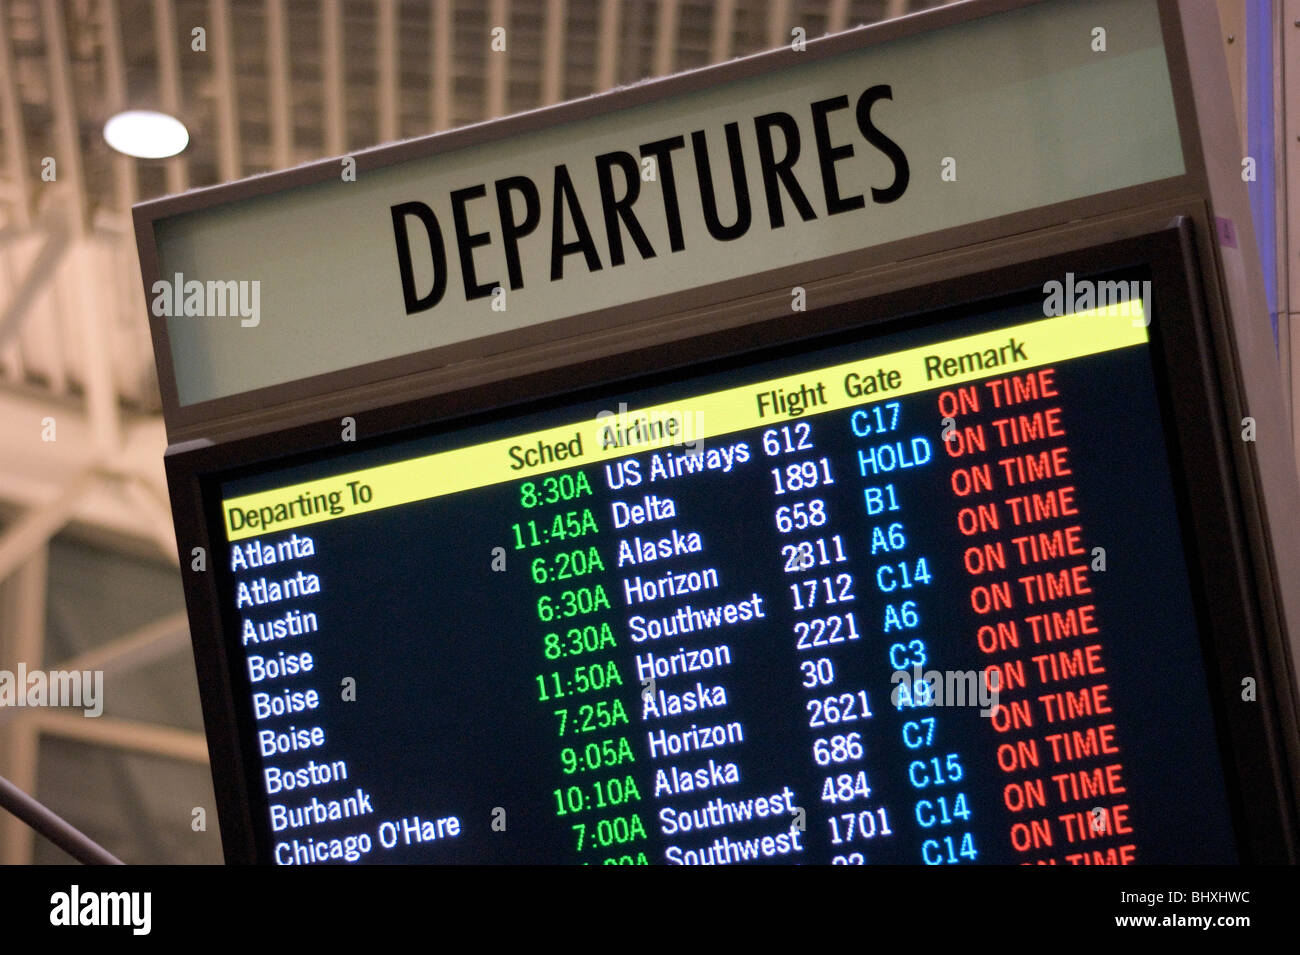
1230, 584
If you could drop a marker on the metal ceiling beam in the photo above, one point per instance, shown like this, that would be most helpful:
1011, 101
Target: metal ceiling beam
11, 115
607, 45
778, 24
156, 512
95, 320
553, 39
37, 280
115, 98
665, 56
66, 136
837, 17
35, 469
495, 87
11, 351
221, 45
277, 68
332, 66
123, 654
34, 528
440, 85
131, 651
113, 733
724, 25
169, 87
386, 68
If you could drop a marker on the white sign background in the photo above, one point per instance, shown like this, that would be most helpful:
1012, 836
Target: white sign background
1030, 113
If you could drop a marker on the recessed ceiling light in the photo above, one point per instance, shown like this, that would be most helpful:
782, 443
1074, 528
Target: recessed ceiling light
146, 134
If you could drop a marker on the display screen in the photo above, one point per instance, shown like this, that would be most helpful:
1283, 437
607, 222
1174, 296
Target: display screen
911, 597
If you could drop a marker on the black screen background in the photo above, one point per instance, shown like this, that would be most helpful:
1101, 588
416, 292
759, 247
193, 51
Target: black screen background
444, 651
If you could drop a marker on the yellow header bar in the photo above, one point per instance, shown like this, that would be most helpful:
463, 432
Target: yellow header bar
612, 435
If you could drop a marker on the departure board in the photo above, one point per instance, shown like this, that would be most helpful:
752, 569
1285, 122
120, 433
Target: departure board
915, 597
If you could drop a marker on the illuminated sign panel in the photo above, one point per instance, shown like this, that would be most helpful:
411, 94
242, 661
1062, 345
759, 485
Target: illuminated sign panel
815, 159
753, 615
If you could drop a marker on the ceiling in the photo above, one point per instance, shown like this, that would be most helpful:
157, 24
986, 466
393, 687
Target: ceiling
261, 85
